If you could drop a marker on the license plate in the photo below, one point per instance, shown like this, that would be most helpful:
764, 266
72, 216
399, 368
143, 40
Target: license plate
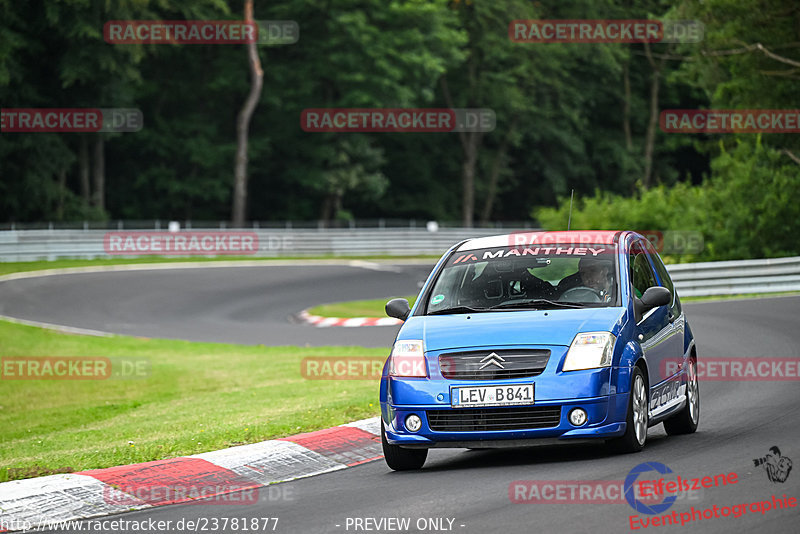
512, 395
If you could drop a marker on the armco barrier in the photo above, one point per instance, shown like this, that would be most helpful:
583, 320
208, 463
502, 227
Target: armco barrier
691, 279
736, 277
33, 245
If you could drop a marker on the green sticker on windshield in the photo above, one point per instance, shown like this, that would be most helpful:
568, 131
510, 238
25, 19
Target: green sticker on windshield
437, 299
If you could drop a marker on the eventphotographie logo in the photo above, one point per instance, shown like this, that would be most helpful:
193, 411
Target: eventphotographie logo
777, 467
637, 503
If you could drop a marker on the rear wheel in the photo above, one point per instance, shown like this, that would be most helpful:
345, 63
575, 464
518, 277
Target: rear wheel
636, 422
685, 421
400, 459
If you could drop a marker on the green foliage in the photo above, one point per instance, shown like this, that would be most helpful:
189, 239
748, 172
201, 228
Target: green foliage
753, 208
196, 397
561, 115
747, 205
748, 209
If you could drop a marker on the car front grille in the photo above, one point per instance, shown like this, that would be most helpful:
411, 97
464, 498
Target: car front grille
493, 365
477, 420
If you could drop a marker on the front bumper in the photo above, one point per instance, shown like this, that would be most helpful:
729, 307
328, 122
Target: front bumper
606, 419
594, 390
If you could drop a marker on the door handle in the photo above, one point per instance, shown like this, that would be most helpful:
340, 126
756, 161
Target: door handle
672, 317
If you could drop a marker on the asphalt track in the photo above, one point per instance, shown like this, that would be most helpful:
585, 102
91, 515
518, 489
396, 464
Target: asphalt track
246, 305
740, 421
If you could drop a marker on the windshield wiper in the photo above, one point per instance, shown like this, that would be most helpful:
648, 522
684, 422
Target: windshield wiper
534, 303
458, 309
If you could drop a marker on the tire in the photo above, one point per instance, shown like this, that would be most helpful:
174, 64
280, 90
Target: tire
686, 421
400, 459
635, 435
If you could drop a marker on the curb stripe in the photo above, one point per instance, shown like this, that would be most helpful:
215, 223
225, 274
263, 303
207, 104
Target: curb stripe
177, 480
54, 498
233, 475
272, 461
348, 322
345, 444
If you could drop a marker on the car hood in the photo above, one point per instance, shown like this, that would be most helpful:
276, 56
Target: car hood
528, 327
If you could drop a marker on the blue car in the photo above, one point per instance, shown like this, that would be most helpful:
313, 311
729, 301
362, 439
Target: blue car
539, 337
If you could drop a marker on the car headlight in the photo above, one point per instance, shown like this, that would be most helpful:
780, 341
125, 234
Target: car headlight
590, 350
408, 359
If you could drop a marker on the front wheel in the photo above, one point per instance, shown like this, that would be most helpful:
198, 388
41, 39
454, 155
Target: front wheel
400, 459
685, 421
637, 419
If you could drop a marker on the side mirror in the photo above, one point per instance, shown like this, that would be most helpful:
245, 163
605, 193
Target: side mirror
398, 308
656, 296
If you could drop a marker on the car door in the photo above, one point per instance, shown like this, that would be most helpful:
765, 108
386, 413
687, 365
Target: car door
676, 316
653, 327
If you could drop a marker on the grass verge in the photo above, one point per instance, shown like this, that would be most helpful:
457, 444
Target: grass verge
375, 307
197, 397
356, 308
23, 266
742, 296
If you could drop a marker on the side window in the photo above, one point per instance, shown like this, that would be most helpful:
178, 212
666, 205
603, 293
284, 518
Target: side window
446, 288
663, 275
642, 277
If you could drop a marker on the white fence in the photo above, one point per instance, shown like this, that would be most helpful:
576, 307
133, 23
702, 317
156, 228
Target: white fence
736, 277
691, 279
33, 245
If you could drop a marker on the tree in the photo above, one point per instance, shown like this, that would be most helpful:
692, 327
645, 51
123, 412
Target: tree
242, 125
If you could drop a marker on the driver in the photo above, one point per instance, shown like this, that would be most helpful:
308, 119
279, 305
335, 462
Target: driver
593, 273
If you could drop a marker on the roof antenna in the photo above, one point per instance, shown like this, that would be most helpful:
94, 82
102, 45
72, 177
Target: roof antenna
569, 222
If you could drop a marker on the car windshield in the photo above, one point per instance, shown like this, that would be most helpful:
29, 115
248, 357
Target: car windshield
539, 277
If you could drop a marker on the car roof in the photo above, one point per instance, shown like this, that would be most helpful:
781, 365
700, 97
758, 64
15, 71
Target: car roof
576, 237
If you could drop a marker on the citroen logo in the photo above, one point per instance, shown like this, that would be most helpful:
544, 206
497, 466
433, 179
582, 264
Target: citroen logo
492, 359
